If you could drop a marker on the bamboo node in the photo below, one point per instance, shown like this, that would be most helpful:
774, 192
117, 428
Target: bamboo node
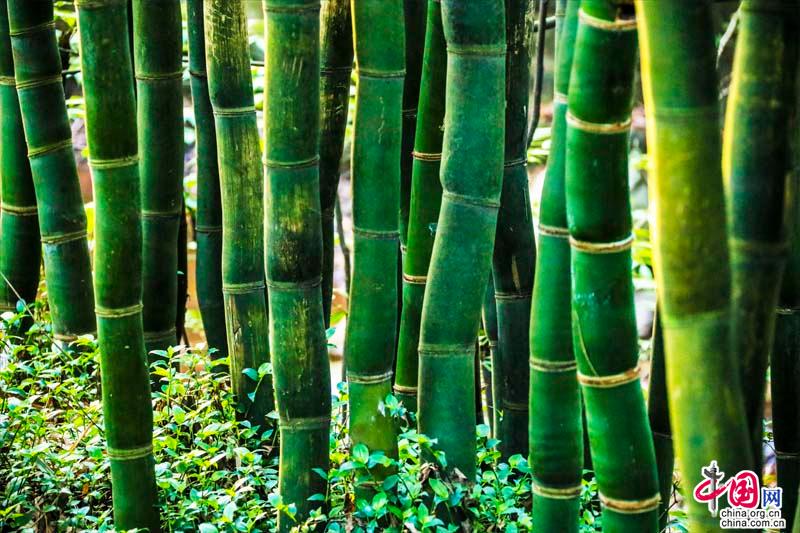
20, 211
362, 72
208, 229
404, 389
39, 82
607, 25
521, 162
198, 73
610, 381
560, 98
601, 247
244, 288
336, 70
764, 250
304, 424
129, 454
556, 493
50, 25
118, 312
119, 162
40, 151
477, 49
150, 336
552, 367
234, 111
147, 213
463, 199
63, 238
630, 506
422, 156
787, 310
159, 76
300, 286
611, 128
415, 280
410, 113
292, 8
9, 81
97, 4
553, 231
386, 235
512, 295
369, 379
447, 350
302, 163
516, 407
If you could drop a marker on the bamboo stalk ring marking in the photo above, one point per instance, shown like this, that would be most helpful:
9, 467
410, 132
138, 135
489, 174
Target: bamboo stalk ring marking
380, 74
610, 381
477, 50
471, 200
159, 76
510, 296
560, 98
611, 128
553, 231
208, 229
404, 389
385, 235
415, 280
552, 367
119, 312
129, 454
301, 163
324, 69
447, 350
40, 151
234, 111
630, 506
787, 310
119, 162
557, 493
292, 8
9, 81
422, 156
521, 162
305, 424
148, 214
764, 250
63, 238
50, 25
243, 288
198, 73
369, 379
607, 25
39, 82
601, 247
97, 4
300, 286
516, 407
20, 211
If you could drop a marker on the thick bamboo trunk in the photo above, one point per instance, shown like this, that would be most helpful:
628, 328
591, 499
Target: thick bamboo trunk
756, 161
555, 425
514, 249
472, 166
691, 250
111, 135
20, 247
159, 73
209, 202
62, 219
605, 339
230, 88
336, 66
426, 199
372, 324
294, 250
658, 414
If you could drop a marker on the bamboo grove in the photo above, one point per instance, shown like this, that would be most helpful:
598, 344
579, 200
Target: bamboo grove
450, 249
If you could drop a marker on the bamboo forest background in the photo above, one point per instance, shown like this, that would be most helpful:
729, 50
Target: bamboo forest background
214, 471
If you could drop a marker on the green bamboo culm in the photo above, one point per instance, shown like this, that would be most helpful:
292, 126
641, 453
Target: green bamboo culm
471, 175
209, 202
20, 245
62, 218
605, 339
755, 167
294, 251
336, 66
372, 324
555, 425
514, 258
426, 199
230, 88
111, 135
414, 15
691, 251
658, 414
489, 322
157, 48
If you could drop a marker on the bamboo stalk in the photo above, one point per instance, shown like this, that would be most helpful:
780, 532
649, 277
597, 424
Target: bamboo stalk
209, 201
62, 219
294, 250
159, 73
183, 272
756, 161
514, 257
426, 199
605, 339
658, 414
556, 422
372, 324
472, 163
230, 87
20, 246
336, 66
111, 135
489, 320
691, 260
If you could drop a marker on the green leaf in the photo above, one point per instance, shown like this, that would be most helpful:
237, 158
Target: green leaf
439, 488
